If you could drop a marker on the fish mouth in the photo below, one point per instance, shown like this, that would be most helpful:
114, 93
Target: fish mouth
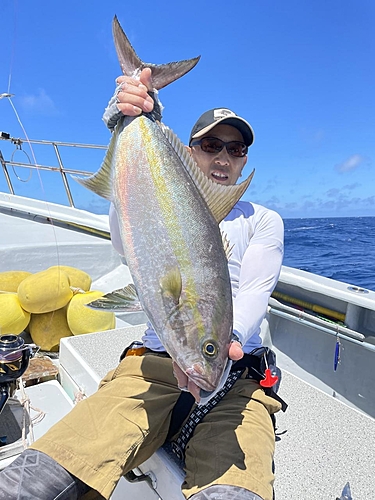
198, 375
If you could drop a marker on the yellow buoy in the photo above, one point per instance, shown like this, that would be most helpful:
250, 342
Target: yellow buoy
82, 319
77, 277
13, 319
47, 329
45, 291
9, 280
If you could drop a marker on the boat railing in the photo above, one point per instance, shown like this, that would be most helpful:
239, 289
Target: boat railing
63, 171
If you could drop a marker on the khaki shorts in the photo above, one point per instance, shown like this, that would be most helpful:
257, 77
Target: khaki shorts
127, 420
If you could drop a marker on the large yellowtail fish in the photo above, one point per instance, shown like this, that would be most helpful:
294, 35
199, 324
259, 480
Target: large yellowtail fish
168, 213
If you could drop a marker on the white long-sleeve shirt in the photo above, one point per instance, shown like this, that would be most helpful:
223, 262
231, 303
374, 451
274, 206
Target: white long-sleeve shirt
257, 236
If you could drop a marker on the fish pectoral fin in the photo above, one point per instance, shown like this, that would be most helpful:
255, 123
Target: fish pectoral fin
101, 182
219, 198
171, 285
121, 300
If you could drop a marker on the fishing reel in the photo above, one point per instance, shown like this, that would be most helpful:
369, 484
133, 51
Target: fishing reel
14, 360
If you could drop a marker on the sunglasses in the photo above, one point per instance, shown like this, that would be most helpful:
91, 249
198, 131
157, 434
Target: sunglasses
214, 145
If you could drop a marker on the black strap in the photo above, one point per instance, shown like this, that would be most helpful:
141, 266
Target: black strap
198, 414
180, 411
270, 392
252, 363
255, 365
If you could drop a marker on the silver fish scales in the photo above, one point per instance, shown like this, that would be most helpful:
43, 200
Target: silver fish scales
168, 213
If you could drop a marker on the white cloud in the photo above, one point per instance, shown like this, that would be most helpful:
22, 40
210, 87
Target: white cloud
40, 103
351, 163
313, 137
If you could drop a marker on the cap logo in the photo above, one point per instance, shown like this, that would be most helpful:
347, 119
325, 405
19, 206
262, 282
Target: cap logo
222, 113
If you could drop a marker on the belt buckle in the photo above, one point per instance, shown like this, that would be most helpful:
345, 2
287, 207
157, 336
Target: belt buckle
136, 349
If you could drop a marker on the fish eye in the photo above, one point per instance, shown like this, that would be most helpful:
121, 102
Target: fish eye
209, 349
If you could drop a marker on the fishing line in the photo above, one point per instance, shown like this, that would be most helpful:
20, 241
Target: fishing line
41, 185
12, 58
15, 17
38, 173
20, 148
13, 43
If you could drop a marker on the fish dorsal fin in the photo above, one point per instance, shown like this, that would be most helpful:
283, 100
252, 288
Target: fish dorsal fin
132, 65
101, 181
219, 198
226, 245
171, 285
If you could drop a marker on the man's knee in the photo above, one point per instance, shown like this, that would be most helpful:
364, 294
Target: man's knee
225, 492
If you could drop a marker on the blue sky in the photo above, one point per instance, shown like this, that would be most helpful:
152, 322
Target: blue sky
301, 72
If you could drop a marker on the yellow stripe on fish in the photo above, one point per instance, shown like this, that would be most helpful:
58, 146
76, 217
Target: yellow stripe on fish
173, 226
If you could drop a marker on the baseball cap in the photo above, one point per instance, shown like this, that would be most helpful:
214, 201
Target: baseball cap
213, 117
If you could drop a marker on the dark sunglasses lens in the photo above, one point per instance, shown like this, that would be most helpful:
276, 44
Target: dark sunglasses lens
214, 145
211, 145
236, 148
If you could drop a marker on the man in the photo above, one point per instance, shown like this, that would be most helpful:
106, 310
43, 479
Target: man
229, 455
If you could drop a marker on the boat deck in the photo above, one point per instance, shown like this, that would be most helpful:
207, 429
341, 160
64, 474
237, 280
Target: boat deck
321, 443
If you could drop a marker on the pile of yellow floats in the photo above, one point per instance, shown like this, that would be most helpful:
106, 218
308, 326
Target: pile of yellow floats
50, 305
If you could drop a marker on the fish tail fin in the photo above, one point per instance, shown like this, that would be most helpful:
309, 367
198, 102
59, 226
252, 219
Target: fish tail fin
162, 74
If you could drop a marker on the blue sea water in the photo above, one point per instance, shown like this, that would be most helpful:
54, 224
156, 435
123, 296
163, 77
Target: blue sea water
341, 248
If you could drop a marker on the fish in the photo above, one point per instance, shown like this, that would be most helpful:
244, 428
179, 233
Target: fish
169, 214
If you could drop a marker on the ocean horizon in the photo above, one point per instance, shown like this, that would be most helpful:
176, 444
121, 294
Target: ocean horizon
341, 248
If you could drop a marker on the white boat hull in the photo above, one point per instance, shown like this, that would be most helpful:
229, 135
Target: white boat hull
326, 436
